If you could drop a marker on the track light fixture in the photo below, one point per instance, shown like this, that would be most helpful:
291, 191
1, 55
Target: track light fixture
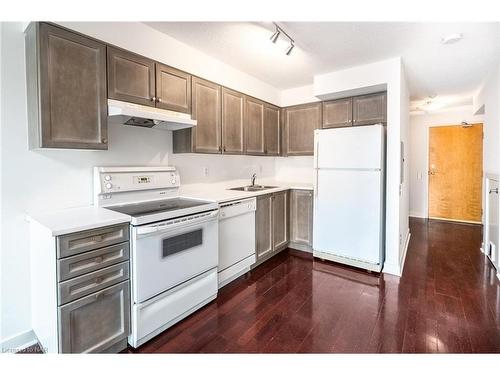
276, 35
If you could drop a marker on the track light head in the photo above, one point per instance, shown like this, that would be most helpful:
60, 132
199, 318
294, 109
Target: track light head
289, 49
275, 36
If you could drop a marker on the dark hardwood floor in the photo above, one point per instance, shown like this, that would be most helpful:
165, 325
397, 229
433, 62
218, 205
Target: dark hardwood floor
447, 301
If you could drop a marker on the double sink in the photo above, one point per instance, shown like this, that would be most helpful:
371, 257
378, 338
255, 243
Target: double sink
252, 188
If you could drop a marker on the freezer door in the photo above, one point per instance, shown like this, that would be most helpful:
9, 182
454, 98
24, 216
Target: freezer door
348, 214
350, 148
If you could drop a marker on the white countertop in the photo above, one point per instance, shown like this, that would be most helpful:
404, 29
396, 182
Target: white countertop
219, 192
78, 219
84, 218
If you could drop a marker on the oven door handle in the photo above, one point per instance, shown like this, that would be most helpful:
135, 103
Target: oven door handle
157, 228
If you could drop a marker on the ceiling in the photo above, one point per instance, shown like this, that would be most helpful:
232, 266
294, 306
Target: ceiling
452, 71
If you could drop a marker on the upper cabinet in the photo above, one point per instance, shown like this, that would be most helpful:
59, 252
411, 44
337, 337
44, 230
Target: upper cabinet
131, 77
337, 113
205, 137
272, 130
232, 121
254, 126
66, 87
370, 109
300, 122
173, 89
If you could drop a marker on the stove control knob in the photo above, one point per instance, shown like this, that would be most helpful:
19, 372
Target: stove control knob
173, 181
107, 177
108, 186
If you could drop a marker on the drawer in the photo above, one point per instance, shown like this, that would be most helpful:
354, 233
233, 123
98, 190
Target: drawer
90, 261
81, 286
95, 323
80, 242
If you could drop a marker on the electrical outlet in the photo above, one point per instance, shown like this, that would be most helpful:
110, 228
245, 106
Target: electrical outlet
206, 171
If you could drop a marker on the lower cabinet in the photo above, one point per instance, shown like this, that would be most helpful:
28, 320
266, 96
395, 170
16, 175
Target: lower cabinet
97, 322
301, 219
271, 224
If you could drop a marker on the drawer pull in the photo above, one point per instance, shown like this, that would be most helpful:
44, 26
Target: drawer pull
98, 280
98, 260
97, 238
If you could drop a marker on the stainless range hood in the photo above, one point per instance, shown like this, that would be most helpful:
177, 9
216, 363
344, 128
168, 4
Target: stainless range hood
148, 117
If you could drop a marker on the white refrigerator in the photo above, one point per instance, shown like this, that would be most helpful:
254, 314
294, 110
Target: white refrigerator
349, 196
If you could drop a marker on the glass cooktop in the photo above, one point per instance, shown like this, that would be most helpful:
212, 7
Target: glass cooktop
153, 207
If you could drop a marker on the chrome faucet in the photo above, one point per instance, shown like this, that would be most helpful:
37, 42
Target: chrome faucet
253, 179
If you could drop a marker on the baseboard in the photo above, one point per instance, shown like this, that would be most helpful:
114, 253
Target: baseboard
18, 342
397, 269
418, 214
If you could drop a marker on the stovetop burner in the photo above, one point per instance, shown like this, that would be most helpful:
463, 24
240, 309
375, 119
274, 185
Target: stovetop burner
154, 207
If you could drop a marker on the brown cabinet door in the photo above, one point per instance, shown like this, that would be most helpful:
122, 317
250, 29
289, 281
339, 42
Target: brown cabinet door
131, 77
263, 226
301, 217
173, 89
272, 130
206, 135
232, 121
370, 109
254, 126
280, 220
300, 123
337, 113
66, 84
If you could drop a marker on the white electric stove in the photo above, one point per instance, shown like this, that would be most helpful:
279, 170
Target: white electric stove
174, 245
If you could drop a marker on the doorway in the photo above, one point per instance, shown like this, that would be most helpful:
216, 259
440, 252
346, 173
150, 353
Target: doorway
455, 172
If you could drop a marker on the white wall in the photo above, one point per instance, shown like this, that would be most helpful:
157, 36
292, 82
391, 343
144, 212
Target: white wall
378, 76
51, 179
404, 195
419, 142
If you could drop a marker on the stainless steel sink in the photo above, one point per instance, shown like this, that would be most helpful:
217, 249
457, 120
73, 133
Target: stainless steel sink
253, 188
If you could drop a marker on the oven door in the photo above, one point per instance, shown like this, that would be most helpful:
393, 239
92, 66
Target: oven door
169, 253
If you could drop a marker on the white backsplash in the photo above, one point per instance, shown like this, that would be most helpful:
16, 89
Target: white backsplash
294, 169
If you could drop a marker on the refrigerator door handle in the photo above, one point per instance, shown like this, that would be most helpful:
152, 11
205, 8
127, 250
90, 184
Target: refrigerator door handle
316, 152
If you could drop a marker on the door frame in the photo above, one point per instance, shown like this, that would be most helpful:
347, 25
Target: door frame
427, 184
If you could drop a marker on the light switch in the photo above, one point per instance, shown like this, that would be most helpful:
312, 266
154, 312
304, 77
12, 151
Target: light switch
419, 175
205, 171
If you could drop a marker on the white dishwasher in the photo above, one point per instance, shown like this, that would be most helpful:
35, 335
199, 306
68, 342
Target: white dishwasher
236, 239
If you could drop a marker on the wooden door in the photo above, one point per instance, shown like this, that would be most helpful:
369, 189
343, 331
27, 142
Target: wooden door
337, 113
207, 111
173, 89
131, 77
369, 109
301, 217
455, 172
300, 123
272, 127
254, 126
280, 220
232, 121
263, 226
66, 87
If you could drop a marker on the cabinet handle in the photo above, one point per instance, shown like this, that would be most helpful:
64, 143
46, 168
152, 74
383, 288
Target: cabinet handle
224, 148
153, 99
104, 140
159, 100
98, 259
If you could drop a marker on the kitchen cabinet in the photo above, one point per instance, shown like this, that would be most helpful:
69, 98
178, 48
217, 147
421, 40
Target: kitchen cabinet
272, 130
205, 137
280, 220
271, 224
263, 226
80, 289
254, 126
173, 89
370, 109
300, 123
233, 131
131, 77
337, 113
301, 219
66, 89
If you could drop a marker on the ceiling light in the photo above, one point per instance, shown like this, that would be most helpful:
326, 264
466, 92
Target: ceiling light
452, 38
275, 36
